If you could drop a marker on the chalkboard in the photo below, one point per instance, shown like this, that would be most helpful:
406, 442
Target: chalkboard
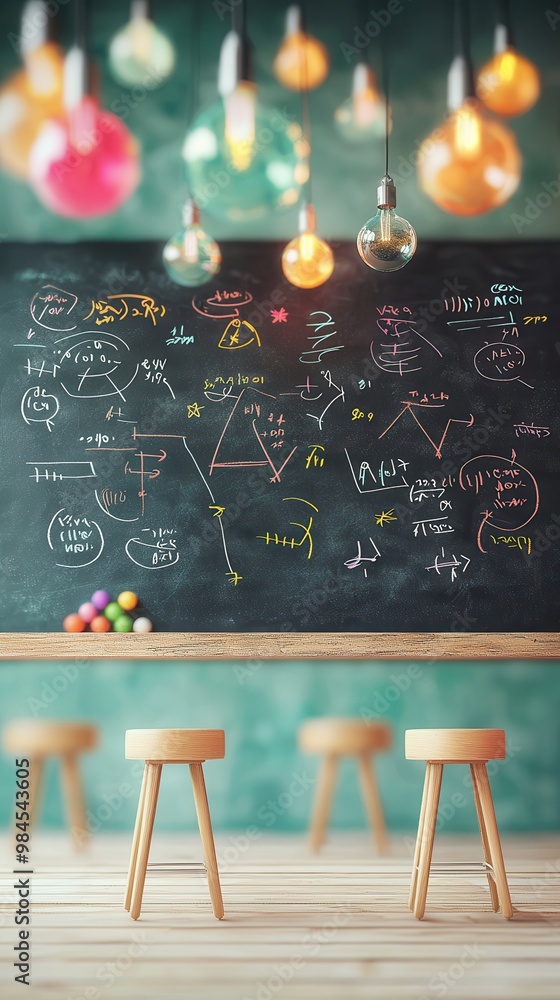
381, 454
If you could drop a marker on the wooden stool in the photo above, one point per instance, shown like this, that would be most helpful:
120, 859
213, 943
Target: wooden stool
171, 746
335, 738
457, 746
37, 740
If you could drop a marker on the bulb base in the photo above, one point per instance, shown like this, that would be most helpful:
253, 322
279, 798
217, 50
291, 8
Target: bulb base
387, 193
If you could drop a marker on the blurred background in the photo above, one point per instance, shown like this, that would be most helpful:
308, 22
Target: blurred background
261, 706
419, 38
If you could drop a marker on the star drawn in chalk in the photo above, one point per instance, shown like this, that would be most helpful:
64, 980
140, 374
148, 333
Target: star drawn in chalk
279, 315
385, 517
193, 410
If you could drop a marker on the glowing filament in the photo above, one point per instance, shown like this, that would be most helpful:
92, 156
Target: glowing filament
240, 124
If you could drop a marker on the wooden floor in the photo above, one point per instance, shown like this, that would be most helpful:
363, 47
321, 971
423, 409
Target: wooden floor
334, 927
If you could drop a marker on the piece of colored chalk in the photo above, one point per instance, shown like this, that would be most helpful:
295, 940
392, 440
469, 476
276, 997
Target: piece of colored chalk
123, 624
100, 599
73, 623
113, 611
127, 600
142, 625
100, 624
87, 612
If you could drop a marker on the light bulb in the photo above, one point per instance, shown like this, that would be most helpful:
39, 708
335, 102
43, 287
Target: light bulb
140, 51
471, 163
386, 242
307, 261
508, 84
239, 129
362, 116
191, 257
30, 96
302, 61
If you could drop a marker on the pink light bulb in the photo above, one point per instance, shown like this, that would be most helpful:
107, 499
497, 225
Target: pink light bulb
84, 163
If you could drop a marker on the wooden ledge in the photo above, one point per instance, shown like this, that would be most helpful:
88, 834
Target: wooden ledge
281, 646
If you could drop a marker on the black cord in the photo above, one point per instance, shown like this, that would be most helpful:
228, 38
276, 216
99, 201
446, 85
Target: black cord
385, 85
238, 17
463, 41
306, 114
81, 24
503, 16
196, 41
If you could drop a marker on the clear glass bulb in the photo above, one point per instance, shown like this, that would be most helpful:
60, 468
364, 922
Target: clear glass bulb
509, 84
471, 164
386, 242
234, 177
191, 257
140, 52
362, 116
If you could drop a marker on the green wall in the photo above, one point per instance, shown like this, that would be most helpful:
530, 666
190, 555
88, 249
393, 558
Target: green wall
345, 177
261, 706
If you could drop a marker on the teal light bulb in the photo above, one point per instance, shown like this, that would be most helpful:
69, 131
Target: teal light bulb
140, 54
244, 161
191, 257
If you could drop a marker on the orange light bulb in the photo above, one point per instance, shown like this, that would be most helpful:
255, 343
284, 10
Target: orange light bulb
27, 99
307, 261
302, 61
509, 84
471, 164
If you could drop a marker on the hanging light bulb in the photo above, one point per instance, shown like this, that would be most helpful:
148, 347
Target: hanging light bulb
471, 164
386, 242
84, 163
141, 50
33, 93
302, 61
191, 257
362, 115
509, 84
243, 160
307, 261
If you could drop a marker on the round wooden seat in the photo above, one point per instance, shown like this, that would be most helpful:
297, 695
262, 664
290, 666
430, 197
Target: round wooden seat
39, 738
175, 746
344, 737
454, 746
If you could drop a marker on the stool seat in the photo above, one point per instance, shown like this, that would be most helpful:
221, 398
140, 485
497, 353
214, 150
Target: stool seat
175, 746
454, 746
39, 738
344, 737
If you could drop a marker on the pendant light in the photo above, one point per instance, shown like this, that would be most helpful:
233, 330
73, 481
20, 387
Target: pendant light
362, 116
34, 92
508, 84
300, 56
307, 261
243, 160
386, 242
84, 163
191, 257
140, 50
471, 163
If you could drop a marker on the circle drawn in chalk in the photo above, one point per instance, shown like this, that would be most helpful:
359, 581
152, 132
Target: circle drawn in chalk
79, 535
95, 365
37, 401
500, 362
147, 551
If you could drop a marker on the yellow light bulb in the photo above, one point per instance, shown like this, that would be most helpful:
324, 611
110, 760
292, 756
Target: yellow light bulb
302, 61
509, 84
362, 116
307, 261
27, 99
240, 108
471, 164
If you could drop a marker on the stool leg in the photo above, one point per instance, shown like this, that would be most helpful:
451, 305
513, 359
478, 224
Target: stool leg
74, 797
485, 847
35, 785
153, 778
323, 797
136, 840
487, 805
419, 837
207, 837
372, 801
428, 834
